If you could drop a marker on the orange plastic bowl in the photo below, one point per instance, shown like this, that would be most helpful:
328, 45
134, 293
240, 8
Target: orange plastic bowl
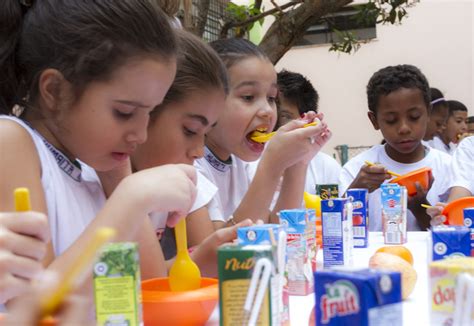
161, 306
408, 180
454, 210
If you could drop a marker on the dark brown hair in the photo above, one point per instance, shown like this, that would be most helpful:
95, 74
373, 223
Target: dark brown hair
233, 50
199, 68
84, 40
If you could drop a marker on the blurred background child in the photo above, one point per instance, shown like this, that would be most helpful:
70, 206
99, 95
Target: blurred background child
296, 97
437, 121
399, 106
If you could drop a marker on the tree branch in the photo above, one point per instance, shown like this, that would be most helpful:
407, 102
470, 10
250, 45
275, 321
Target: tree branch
232, 24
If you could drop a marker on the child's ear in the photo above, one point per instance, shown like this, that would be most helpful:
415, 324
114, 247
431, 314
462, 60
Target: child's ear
373, 119
49, 87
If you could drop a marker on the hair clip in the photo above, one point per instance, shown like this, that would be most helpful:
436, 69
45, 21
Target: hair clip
441, 99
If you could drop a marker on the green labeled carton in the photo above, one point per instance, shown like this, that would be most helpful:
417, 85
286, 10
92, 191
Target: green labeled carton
236, 266
117, 286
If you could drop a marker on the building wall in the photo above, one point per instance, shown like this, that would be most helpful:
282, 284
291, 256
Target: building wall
437, 37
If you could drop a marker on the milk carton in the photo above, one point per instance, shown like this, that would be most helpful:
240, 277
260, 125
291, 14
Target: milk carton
301, 249
259, 234
117, 286
469, 222
443, 277
450, 241
358, 297
394, 213
337, 232
360, 217
236, 264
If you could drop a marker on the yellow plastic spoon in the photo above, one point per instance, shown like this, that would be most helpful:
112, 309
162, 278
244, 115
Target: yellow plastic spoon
389, 172
22, 200
312, 202
184, 274
261, 137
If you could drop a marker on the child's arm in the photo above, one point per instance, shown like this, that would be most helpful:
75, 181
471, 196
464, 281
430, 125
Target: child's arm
290, 145
198, 226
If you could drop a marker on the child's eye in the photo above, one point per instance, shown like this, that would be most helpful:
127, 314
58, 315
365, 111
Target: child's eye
414, 118
189, 132
123, 115
390, 122
247, 98
272, 99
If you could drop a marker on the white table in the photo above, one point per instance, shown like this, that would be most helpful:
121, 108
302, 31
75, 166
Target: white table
415, 308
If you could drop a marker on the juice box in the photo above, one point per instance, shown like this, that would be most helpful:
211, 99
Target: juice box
326, 191
469, 222
337, 232
301, 249
358, 297
394, 213
117, 286
259, 234
443, 275
236, 264
450, 241
360, 216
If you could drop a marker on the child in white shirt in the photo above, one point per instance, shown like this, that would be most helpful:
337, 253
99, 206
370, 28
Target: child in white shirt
297, 96
399, 104
246, 191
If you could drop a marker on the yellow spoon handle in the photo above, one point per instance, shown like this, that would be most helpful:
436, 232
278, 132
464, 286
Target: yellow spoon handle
181, 238
389, 172
426, 206
22, 200
263, 138
50, 303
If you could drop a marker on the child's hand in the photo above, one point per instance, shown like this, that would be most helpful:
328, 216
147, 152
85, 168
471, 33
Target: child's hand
205, 255
370, 177
168, 188
23, 245
436, 214
293, 144
415, 201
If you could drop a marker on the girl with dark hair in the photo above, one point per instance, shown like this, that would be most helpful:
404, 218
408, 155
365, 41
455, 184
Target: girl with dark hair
79, 80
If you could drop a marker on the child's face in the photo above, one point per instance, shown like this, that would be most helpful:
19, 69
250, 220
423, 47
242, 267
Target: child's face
437, 122
456, 126
177, 133
249, 106
402, 117
287, 111
107, 123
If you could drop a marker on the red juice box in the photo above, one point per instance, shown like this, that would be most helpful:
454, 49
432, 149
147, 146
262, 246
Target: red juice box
360, 216
301, 249
394, 213
443, 285
358, 297
450, 241
337, 232
469, 222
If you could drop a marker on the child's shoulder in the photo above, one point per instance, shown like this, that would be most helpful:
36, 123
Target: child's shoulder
372, 154
435, 155
14, 133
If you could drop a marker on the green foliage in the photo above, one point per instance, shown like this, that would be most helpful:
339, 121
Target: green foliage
120, 261
241, 13
374, 11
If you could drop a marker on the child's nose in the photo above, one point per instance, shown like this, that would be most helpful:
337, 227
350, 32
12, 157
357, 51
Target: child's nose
404, 128
197, 151
266, 110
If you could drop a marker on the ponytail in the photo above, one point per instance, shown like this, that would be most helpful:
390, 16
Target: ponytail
11, 19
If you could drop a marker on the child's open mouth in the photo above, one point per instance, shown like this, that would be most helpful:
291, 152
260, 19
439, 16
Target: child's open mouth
254, 145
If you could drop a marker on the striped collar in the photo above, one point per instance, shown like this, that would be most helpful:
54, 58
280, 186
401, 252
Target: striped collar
215, 162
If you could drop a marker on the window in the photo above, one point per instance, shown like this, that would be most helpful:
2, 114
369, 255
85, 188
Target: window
343, 20
214, 16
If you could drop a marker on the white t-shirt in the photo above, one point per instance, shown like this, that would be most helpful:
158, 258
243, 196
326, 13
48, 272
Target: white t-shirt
438, 161
72, 190
232, 179
438, 144
322, 169
462, 165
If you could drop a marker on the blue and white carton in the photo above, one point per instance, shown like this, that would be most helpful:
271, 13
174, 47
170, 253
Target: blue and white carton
450, 241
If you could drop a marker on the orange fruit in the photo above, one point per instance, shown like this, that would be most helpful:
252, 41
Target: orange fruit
399, 251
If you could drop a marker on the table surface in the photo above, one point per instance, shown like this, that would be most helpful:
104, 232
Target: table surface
415, 307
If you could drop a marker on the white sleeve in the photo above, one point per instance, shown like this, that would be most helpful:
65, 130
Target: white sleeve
205, 192
348, 173
462, 165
